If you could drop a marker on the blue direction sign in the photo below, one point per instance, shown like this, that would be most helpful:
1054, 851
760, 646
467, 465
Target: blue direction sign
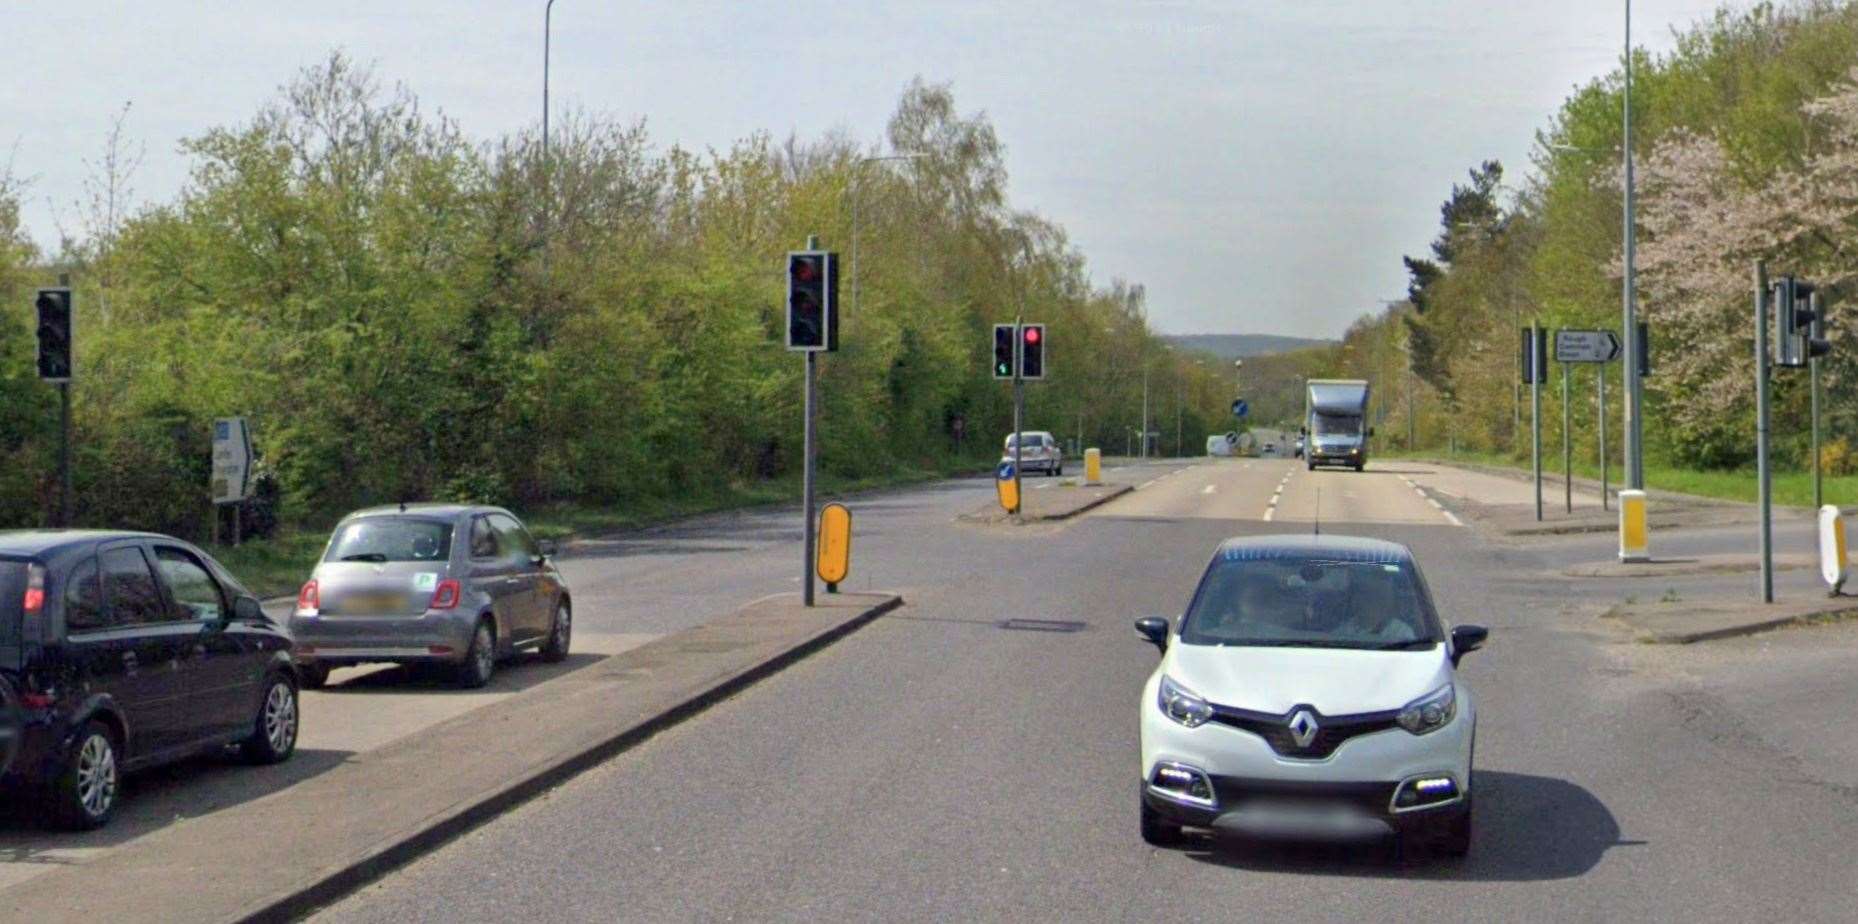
1006, 472
1240, 408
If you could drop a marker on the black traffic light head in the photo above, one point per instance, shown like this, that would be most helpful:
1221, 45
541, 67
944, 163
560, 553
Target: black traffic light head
812, 290
1815, 340
1005, 360
1032, 351
1797, 323
55, 334
1534, 355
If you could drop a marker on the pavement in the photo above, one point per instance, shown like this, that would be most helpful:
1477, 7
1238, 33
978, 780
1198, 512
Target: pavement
316, 840
1676, 621
1505, 499
1055, 498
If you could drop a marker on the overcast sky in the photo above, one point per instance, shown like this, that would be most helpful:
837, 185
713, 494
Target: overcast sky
1261, 165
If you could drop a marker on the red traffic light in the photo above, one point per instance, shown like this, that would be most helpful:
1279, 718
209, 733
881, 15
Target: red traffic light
804, 269
1032, 335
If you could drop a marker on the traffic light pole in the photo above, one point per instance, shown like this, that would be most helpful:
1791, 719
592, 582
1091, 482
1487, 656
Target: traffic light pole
64, 429
806, 477
808, 451
1813, 369
1019, 413
1763, 476
1535, 416
64, 455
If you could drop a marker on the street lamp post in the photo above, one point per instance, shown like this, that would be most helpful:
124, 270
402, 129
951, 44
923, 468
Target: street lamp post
858, 174
1634, 424
548, 11
1144, 454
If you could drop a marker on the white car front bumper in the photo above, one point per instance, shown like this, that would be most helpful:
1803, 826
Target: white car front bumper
1365, 773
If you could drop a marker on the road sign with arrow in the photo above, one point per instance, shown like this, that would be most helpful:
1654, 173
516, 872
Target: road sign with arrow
1586, 346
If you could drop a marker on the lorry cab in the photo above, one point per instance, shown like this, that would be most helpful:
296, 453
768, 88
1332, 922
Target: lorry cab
1335, 424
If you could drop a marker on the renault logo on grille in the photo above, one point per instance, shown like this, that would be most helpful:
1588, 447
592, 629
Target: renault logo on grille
1303, 728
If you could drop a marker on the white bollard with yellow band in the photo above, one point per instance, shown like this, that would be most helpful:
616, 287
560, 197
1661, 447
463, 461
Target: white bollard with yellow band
1833, 565
1634, 536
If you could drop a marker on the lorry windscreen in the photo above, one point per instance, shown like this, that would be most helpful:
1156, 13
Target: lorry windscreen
1337, 425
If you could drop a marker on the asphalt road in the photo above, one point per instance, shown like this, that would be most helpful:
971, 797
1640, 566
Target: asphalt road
938, 766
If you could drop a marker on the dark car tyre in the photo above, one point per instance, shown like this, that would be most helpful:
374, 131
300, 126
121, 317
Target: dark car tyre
480, 662
313, 676
560, 634
274, 730
84, 795
1157, 831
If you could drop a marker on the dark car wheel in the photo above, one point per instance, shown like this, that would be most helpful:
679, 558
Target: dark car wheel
84, 795
1158, 831
559, 634
480, 663
313, 676
274, 730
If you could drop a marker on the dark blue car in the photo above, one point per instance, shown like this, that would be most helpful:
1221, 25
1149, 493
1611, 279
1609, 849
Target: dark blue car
120, 651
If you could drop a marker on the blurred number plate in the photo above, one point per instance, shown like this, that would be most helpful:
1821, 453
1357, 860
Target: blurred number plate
374, 604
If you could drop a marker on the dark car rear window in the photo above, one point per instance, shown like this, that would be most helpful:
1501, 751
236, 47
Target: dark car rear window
381, 539
12, 592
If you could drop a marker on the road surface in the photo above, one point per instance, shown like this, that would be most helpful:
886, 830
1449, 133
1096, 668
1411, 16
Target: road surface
937, 766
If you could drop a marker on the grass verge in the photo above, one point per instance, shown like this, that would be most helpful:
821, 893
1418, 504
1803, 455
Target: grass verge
278, 566
1794, 489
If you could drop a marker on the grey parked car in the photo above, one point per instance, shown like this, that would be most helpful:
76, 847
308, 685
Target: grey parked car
451, 584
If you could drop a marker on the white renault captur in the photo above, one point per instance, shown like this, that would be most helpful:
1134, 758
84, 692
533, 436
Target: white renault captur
1310, 690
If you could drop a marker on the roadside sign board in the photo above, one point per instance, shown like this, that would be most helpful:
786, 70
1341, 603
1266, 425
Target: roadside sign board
1240, 408
1586, 346
232, 460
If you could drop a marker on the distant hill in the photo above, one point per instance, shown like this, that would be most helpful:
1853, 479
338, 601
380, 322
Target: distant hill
1243, 346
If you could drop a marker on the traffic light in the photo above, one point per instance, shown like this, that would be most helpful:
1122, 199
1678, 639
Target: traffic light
54, 309
812, 301
1534, 355
1032, 351
1004, 359
1798, 329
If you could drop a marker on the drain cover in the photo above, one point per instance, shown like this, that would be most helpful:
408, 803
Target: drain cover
1042, 625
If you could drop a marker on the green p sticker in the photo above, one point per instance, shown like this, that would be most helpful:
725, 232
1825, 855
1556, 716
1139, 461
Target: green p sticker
427, 581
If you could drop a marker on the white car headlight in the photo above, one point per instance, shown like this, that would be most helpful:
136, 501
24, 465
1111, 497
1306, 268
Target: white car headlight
1182, 705
1431, 712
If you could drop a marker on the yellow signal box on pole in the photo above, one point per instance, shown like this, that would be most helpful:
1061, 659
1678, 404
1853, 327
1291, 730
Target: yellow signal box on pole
1633, 538
834, 559
1008, 487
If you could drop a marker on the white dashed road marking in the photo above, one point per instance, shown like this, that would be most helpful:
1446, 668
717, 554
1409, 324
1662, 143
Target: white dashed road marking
1270, 510
1449, 516
1209, 489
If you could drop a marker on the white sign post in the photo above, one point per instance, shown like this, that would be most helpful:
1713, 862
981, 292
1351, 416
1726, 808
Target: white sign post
232, 467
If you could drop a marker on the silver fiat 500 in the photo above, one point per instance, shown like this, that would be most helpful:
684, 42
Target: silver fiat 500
452, 584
